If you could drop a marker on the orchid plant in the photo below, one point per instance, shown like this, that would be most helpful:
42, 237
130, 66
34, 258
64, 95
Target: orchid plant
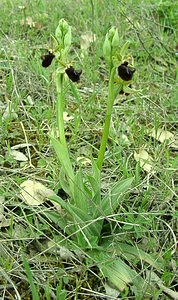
86, 208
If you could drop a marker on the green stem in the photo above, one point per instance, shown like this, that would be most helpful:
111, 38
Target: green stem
60, 125
60, 109
111, 98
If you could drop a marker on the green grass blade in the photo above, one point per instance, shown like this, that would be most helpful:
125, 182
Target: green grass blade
8, 279
33, 288
75, 92
61, 293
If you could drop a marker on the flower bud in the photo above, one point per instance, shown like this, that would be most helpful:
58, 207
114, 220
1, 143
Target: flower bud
63, 34
115, 41
111, 33
58, 34
107, 49
111, 44
67, 38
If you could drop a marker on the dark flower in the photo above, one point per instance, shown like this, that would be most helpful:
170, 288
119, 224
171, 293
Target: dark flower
73, 74
125, 72
47, 59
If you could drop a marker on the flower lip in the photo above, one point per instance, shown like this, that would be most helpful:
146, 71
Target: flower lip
73, 74
47, 59
125, 72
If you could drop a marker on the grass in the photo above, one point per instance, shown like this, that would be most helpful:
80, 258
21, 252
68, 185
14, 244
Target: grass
29, 92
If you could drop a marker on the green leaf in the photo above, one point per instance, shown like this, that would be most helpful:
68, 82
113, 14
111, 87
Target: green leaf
65, 221
86, 221
80, 195
61, 202
111, 201
95, 206
117, 271
59, 220
85, 229
64, 159
71, 218
134, 251
94, 185
64, 182
96, 175
130, 252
